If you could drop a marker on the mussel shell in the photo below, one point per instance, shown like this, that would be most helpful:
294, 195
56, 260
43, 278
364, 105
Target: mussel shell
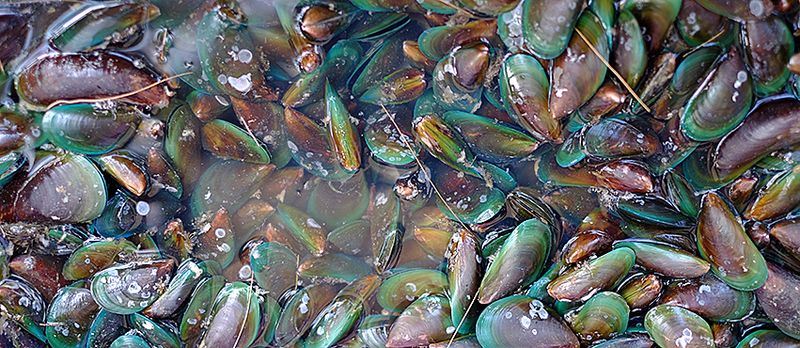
521, 321
401, 289
128, 169
24, 305
602, 316
303, 228
112, 74
711, 298
434, 240
120, 217
43, 272
491, 140
270, 311
587, 279
524, 86
321, 22
386, 232
239, 74
93, 257
213, 191
786, 233
665, 259
739, 10
623, 175
574, 81
234, 318
771, 126
651, 210
188, 274
492, 8
207, 107
374, 330
263, 121
153, 332
110, 24
614, 138
399, 87
595, 235
655, 17
193, 319
274, 267
768, 45
380, 61
371, 26
350, 238
343, 137
689, 74
678, 192
697, 25
530, 241
131, 287
463, 277
63, 187
548, 25
437, 42
341, 60
389, 144
299, 311
129, 341
775, 198
721, 102
105, 328
780, 300
85, 129
227, 141
14, 34
335, 203
629, 340
341, 314
629, 55
674, 327
571, 151
10, 164
215, 239
310, 146
640, 290
768, 339
458, 77
183, 145
333, 268
425, 321
722, 241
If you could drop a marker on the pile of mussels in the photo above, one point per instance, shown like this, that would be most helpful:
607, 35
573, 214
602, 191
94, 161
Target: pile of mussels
400, 173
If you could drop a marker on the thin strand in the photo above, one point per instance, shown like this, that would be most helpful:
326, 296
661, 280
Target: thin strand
621, 79
712, 39
463, 319
115, 97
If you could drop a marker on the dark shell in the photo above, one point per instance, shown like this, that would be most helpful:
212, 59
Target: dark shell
711, 298
780, 300
771, 126
113, 75
722, 241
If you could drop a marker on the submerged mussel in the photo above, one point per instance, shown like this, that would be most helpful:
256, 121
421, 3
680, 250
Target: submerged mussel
400, 173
